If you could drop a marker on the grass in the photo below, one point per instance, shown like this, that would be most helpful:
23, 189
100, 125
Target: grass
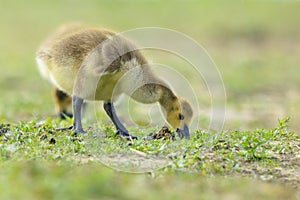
92, 181
254, 45
64, 165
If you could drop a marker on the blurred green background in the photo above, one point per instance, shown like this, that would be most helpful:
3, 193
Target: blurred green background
255, 45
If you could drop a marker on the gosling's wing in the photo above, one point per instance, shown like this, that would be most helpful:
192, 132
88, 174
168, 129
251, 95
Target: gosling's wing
116, 54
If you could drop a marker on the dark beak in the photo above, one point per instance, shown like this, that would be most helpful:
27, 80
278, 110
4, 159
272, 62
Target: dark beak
184, 133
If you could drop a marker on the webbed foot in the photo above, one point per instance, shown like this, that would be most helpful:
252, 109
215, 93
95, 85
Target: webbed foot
126, 135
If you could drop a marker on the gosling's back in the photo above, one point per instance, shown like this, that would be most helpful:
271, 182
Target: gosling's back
64, 55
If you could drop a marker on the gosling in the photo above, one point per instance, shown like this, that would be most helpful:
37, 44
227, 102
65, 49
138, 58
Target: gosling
86, 64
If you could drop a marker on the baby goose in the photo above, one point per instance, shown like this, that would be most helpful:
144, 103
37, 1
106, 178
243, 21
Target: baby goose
87, 63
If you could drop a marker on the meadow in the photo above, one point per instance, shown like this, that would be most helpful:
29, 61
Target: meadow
255, 46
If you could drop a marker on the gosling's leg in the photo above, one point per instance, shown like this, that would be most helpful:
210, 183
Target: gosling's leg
121, 130
77, 107
62, 102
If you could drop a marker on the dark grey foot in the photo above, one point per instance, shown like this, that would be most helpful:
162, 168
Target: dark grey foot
79, 131
126, 135
64, 115
64, 128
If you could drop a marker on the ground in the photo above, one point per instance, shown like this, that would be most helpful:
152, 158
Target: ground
255, 46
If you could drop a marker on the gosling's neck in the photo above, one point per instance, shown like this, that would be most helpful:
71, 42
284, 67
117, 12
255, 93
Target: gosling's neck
167, 98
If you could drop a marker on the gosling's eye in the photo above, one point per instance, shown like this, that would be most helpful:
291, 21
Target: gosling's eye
181, 117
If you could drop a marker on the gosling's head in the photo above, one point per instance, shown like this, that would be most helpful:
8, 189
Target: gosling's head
179, 115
